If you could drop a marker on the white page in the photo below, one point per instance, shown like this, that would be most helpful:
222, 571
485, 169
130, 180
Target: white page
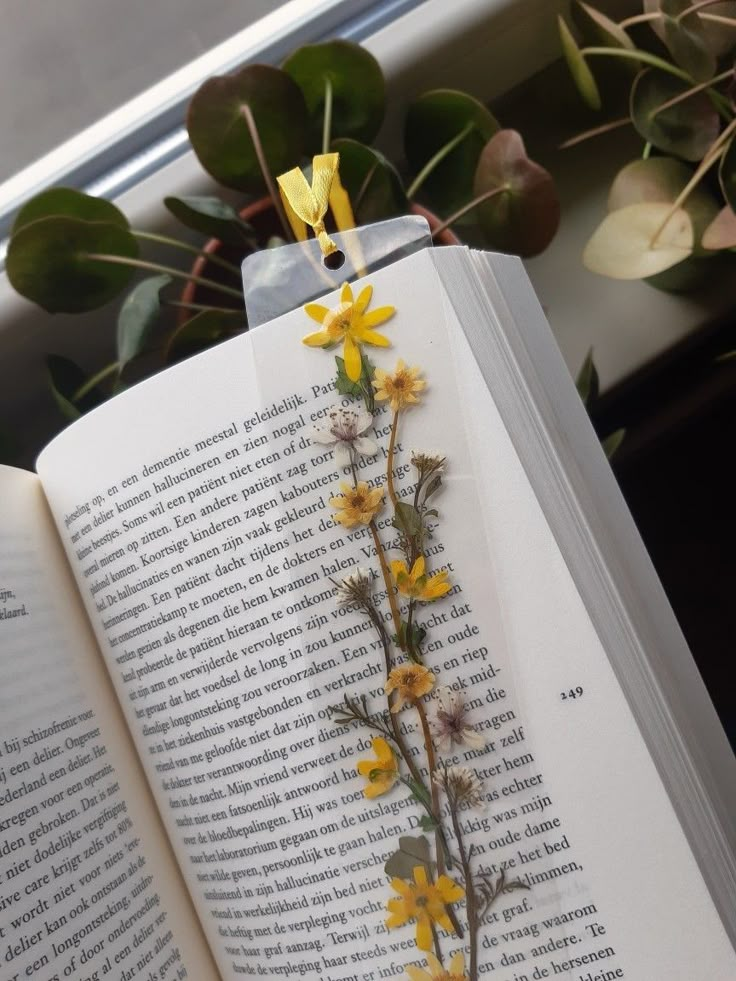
87, 882
576, 862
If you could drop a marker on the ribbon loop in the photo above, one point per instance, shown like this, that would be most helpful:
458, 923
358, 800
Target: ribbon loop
308, 204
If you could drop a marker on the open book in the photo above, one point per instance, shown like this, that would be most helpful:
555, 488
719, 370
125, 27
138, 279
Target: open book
201, 774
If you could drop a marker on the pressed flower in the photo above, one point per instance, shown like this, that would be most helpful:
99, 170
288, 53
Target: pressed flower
409, 681
344, 429
382, 772
349, 323
400, 389
436, 972
357, 505
461, 784
427, 463
424, 902
417, 584
355, 589
449, 722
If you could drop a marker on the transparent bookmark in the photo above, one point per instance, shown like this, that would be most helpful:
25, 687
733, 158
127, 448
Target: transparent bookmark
278, 280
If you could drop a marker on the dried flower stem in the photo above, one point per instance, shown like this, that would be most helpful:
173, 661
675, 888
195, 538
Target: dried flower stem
387, 580
470, 898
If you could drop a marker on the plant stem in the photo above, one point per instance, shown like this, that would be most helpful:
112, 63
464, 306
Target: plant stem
327, 120
192, 249
199, 307
638, 55
470, 904
638, 19
155, 267
263, 164
390, 459
699, 5
386, 578
647, 151
714, 152
504, 188
694, 90
437, 159
719, 19
364, 187
596, 131
95, 380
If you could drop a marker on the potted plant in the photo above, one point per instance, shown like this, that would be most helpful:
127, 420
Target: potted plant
670, 212
71, 252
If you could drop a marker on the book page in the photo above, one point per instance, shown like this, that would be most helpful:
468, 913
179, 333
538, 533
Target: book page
87, 885
206, 548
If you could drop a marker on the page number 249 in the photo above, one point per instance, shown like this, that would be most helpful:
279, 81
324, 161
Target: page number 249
571, 693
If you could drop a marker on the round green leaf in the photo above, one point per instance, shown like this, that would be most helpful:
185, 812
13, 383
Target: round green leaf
434, 121
686, 40
372, 183
581, 74
48, 262
720, 37
662, 179
212, 217
137, 316
70, 202
721, 233
727, 174
524, 216
600, 29
686, 129
200, 332
220, 135
639, 240
358, 89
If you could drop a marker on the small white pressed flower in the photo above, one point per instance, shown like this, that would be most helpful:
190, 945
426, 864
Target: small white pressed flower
449, 722
355, 589
345, 430
427, 463
461, 784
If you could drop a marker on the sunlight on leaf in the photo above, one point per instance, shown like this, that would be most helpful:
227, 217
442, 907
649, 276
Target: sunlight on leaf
721, 233
624, 245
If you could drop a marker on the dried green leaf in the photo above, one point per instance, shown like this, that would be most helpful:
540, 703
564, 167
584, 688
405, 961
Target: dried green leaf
412, 851
407, 519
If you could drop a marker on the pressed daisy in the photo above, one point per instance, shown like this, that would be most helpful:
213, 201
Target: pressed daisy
357, 505
400, 388
449, 722
345, 430
382, 772
461, 784
424, 902
427, 463
417, 584
349, 323
436, 972
410, 681
355, 589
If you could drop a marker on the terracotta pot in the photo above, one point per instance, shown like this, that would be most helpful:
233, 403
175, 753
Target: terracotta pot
262, 216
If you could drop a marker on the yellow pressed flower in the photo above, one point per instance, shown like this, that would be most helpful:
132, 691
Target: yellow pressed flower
417, 584
349, 323
424, 902
383, 772
410, 681
357, 505
437, 972
399, 389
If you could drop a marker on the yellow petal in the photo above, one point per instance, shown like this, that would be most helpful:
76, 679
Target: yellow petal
420, 875
318, 339
417, 569
402, 887
351, 353
374, 789
371, 337
457, 964
346, 294
382, 749
316, 311
434, 964
449, 890
397, 568
417, 974
364, 298
378, 316
365, 767
445, 922
424, 933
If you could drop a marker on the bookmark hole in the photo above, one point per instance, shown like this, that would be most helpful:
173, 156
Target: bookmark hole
335, 260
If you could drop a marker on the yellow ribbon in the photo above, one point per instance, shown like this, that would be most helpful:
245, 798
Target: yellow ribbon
307, 205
